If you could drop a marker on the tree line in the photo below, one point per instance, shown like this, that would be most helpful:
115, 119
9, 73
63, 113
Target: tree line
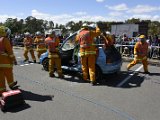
33, 24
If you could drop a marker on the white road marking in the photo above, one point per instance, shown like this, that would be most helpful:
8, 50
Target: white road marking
130, 75
26, 64
18, 57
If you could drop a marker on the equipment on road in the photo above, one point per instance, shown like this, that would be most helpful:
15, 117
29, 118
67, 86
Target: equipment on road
11, 99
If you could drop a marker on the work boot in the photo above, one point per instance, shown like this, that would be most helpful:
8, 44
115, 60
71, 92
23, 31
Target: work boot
51, 75
146, 72
127, 68
61, 76
34, 61
13, 85
93, 83
25, 60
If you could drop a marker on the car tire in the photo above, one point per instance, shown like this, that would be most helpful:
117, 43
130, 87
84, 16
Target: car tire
99, 75
45, 64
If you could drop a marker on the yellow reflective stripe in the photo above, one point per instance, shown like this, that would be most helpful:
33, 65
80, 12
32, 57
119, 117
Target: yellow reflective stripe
6, 65
5, 54
55, 56
10, 83
11, 55
2, 89
88, 53
42, 49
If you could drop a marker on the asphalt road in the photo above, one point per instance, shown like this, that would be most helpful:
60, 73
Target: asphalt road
129, 95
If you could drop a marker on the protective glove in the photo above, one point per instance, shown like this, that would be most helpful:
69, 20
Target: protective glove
135, 57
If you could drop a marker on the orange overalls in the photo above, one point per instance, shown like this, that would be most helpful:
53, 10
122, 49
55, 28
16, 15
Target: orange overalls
41, 47
7, 59
54, 57
88, 52
28, 41
140, 51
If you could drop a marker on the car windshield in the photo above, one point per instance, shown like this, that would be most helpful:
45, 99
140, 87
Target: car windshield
69, 43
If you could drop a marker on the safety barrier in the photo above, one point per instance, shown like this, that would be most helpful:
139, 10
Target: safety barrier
128, 51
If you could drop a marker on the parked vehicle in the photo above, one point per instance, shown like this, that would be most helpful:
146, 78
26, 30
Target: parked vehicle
69, 52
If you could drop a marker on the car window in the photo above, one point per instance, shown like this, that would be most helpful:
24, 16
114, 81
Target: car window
69, 43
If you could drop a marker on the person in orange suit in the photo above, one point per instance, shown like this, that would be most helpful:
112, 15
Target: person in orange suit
40, 44
85, 37
140, 54
28, 47
7, 59
53, 42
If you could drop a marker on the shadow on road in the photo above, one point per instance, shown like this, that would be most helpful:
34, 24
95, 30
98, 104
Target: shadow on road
27, 95
113, 80
36, 97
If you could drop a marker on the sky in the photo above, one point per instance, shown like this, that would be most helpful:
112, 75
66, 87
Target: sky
63, 11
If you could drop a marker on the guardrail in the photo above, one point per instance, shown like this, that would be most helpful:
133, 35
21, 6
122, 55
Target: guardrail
127, 50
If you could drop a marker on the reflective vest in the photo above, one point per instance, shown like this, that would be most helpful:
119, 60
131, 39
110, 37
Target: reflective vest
85, 39
52, 44
141, 49
40, 44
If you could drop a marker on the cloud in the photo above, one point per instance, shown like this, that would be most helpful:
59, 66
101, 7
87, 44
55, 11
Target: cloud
80, 13
115, 14
64, 18
147, 17
143, 9
100, 0
119, 7
3, 18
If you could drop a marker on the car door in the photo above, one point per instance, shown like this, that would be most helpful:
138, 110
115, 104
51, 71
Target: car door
67, 49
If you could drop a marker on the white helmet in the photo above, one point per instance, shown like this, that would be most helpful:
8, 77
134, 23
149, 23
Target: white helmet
92, 25
84, 25
108, 33
38, 33
8, 31
50, 32
27, 34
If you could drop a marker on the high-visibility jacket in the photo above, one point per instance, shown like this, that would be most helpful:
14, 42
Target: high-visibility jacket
40, 43
28, 42
6, 53
140, 49
52, 44
86, 40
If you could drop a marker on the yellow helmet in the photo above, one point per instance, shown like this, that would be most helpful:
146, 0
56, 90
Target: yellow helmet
3, 31
142, 36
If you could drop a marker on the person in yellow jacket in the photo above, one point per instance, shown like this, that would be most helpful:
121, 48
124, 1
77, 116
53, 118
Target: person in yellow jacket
85, 37
40, 44
28, 47
52, 43
140, 54
7, 59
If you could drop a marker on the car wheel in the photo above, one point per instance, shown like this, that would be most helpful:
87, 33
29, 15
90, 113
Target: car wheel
45, 64
98, 75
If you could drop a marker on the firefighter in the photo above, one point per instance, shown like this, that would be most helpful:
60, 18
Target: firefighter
7, 59
39, 41
108, 41
52, 42
140, 54
85, 37
28, 47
